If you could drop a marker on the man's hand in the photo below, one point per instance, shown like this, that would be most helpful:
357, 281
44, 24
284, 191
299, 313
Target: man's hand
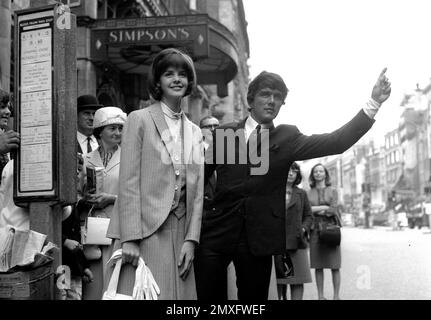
382, 88
88, 275
186, 258
130, 252
9, 140
71, 244
101, 200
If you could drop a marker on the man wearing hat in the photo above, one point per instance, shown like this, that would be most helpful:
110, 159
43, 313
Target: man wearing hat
87, 106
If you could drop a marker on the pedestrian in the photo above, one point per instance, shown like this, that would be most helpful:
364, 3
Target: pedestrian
161, 183
108, 128
298, 224
9, 139
73, 253
247, 225
10, 214
87, 105
324, 203
208, 124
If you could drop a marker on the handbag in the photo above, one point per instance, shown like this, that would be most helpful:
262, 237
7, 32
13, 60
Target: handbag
329, 234
145, 287
95, 229
111, 291
283, 266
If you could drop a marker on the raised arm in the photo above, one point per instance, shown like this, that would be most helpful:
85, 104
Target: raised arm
319, 145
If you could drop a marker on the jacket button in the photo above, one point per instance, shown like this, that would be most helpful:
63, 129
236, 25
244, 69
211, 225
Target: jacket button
177, 172
176, 187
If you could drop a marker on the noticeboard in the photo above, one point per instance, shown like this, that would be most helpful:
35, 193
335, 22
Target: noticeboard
34, 162
45, 101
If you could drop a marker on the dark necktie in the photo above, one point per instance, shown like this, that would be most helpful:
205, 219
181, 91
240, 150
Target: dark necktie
255, 139
89, 145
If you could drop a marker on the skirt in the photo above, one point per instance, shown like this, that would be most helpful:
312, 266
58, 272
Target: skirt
301, 268
161, 252
323, 256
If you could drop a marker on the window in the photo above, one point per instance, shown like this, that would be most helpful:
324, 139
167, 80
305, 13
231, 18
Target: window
397, 156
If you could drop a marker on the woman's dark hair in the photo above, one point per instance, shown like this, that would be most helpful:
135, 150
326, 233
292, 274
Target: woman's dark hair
97, 132
266, 80
295, 167
166, 58
313, 181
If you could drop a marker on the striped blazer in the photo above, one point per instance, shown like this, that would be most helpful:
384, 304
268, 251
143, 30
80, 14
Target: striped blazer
147, 177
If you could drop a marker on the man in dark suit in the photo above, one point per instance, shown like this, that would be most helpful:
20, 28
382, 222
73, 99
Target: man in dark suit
247, 225
208, 124
87, 105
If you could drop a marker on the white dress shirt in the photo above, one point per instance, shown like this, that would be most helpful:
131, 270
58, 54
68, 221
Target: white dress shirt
250, 126
173, 121
82, 140
371, 108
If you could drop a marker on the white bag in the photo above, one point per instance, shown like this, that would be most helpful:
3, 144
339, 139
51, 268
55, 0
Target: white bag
95, 231
145, 287
111, 291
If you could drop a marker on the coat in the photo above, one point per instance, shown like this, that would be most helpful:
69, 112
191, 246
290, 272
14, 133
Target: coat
257, 202
147, 177
110, 176
298, 216
330, 198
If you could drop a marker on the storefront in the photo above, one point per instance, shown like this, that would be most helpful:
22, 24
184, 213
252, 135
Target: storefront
118, 54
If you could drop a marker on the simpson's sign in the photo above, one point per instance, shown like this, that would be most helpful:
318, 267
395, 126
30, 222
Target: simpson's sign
189, 31
149, 35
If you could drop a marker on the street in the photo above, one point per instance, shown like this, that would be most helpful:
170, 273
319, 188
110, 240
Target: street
381, 264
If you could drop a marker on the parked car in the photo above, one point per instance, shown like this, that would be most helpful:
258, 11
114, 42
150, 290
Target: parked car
381, 218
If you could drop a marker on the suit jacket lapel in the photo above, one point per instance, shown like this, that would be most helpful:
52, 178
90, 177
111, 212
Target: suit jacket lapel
114, 160
293, 198
162, 127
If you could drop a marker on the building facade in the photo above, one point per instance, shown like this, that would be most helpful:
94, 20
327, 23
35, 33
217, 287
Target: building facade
117, 39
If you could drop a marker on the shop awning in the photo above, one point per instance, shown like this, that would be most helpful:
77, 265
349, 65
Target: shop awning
130, 44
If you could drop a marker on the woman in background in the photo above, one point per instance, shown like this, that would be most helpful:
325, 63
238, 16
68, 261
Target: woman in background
108, 128
298, 223
323, 199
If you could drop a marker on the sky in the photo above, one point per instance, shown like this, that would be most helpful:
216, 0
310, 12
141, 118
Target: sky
331, 52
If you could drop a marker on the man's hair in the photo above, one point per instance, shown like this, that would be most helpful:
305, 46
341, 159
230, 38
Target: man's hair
313, 181
166, 58
266, 80
206, 118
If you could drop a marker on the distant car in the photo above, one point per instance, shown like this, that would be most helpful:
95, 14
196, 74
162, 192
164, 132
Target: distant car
381, 218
